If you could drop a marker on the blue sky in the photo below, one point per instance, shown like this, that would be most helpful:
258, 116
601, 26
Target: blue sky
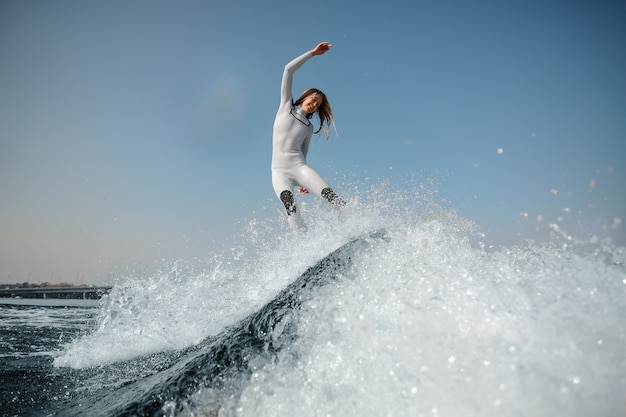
135, 130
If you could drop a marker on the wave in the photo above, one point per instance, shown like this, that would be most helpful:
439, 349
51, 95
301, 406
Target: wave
233, 352
427, 321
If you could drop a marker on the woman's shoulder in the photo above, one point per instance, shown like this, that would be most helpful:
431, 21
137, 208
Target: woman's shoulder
286, 105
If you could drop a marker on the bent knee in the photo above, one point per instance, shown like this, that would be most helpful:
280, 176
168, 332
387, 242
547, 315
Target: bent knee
329, 195
286, 197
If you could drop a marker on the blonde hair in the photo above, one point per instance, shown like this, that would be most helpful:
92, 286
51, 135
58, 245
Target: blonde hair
324, 111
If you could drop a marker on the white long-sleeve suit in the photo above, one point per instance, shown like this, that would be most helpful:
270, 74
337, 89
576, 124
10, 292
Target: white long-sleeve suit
291, 138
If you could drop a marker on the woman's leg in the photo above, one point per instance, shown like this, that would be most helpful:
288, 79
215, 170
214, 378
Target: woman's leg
329, 195
283, 188
307, 177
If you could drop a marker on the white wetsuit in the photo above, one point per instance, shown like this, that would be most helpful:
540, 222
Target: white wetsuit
291, 138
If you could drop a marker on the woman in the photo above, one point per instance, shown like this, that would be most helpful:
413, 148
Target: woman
292, 134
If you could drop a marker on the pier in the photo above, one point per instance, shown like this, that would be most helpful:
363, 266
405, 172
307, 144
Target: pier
56, 293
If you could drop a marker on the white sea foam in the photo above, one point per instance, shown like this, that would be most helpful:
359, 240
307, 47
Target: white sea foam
427, 324
191, 299
430, 325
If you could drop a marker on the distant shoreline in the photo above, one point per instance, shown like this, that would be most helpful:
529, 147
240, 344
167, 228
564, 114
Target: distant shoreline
48, 302
54, 296
46, 285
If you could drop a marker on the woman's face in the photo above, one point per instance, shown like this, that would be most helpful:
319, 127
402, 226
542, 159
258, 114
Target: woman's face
311, 103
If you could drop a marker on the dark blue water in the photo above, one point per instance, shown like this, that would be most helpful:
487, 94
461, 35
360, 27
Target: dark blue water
31, 335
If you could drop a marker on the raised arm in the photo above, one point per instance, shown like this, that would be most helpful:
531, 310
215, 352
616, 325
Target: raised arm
285, 90
290, 69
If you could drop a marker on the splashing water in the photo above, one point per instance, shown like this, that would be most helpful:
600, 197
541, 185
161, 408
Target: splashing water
429, 323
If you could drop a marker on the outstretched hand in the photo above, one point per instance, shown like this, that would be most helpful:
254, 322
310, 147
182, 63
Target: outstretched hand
321, 48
